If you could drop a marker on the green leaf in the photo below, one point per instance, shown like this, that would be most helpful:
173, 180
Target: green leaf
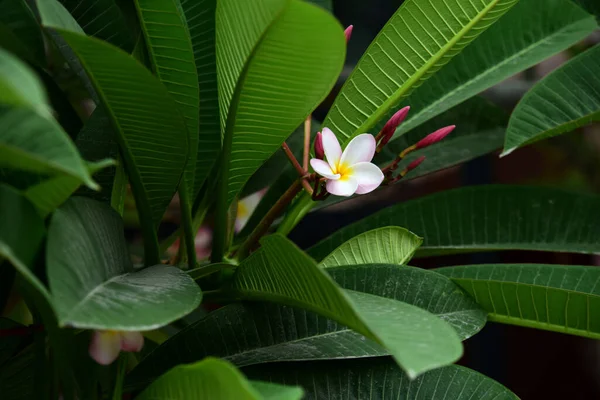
256, 333
200, 17
19, 86
480, 128
92, 280
564, 100
559, 298
20, 243
20, 32
280, 272
102, 19
9, 343
148, 126
216, 380
289, 71
592, 6
17, 375
379, 378
326, 4
497, 55
47, 195
484, 218
416, 42
170, 49
30, 142
388, 245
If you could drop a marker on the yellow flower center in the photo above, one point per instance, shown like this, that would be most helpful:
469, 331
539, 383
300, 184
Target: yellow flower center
242, 210
344, 170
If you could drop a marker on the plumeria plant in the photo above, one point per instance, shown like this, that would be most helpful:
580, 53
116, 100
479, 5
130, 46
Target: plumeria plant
206, 105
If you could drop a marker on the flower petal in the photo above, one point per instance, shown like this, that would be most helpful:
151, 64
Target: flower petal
343, 187
360, 149
333, 150
132, 341
323, 169
368, 176
246, 207
105, 346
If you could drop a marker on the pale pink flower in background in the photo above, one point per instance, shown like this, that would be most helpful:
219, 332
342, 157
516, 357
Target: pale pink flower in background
106, 345
350, 171
246, 207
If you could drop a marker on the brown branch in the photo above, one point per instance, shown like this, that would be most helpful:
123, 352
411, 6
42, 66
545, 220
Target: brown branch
306, 142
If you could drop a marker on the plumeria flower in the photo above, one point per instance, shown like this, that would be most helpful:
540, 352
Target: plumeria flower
246, 207
106, 345
351, 171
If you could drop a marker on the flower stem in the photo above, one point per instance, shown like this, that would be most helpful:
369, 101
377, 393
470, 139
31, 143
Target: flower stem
268, 219
188, 230
301, 172
302, 206
307, 122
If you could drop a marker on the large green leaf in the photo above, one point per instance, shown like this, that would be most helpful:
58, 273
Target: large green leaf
30, 142
483, 218
282, 273
591, 6
516, 42
216, 380
149, 128
286, 74
20, 32
417, 41
256, 333
103, 19
170, 49
566, 99
19, 86
19, 244
380, 379
91, 276
388, 245
560, 298
200, 18
9, 344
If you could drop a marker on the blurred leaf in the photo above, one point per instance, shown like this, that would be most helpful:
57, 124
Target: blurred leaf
30, 142
92, 280
560, 298
484, 218
282, 273
388, 245
291, 53
516, 42
20, 243
170, 49
200, 17
215, 380
592, 6
380, 378
102, 19
149, 128
416, 42
564, 100
326, 4
20, 33
47, 195
256, 333
20, 86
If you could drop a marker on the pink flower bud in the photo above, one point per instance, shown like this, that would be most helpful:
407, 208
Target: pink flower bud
348, 32
390, 127
415, 163
434, 137
319, 151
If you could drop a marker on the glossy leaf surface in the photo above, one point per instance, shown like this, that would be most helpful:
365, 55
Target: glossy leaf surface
566, 99
92, 280
514, 217
560, 298
417, 41
20, 32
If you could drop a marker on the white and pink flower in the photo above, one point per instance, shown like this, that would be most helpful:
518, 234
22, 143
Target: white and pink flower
350, 171
106, 345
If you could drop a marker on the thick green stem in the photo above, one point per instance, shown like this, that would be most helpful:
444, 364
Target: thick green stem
268, 219
186, 220
298, 211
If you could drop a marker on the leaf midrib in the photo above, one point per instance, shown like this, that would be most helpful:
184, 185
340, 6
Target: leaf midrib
404, 128
532, 285
392, 100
